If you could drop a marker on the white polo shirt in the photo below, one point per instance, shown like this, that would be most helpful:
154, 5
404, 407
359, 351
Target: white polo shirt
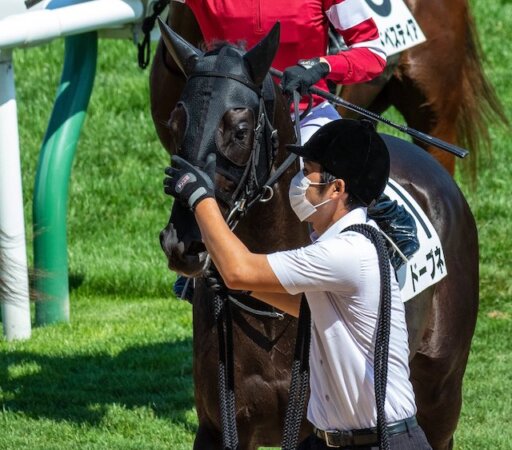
339, 274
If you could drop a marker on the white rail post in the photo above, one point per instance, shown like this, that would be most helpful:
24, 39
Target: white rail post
14, 275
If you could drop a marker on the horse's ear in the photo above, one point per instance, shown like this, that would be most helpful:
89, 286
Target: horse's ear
184, 54
260, 57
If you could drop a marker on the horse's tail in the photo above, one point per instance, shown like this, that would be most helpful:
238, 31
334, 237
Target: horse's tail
480, 105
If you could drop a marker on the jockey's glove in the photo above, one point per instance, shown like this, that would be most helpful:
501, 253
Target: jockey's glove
188, 183
303, 75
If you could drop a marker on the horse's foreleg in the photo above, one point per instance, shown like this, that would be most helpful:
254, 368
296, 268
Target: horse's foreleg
445, 129
423, 114
362, 95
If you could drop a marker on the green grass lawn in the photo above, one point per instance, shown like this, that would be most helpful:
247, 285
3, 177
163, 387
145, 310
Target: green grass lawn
119, 376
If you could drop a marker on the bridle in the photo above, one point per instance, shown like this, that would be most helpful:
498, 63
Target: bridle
251, 187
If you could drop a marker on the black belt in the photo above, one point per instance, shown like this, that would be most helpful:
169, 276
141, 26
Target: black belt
366, 436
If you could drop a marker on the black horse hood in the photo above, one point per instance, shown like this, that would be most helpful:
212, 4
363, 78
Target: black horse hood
209, 95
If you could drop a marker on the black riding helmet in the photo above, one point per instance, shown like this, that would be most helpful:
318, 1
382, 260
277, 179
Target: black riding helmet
353, 151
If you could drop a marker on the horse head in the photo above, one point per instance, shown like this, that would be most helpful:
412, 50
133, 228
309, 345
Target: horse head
221, 110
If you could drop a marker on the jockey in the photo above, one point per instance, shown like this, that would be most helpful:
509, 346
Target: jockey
304, 42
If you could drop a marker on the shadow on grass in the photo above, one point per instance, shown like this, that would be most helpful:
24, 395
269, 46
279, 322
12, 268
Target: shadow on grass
75, 280
122, 284
81, 388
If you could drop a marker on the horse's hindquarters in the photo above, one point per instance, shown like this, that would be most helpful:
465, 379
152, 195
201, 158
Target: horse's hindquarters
438, 365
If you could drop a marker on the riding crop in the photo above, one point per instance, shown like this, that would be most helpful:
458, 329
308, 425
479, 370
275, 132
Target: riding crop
418, 135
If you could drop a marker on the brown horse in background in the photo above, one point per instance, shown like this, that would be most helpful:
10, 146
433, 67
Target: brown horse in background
440, 320
439, 86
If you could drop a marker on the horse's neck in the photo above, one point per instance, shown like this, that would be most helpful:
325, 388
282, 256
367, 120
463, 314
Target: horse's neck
272, 226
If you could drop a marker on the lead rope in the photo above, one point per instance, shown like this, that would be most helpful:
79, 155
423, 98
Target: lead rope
380, 357
226, 379
299, 382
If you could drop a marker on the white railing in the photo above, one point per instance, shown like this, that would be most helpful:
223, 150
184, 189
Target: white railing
20, 27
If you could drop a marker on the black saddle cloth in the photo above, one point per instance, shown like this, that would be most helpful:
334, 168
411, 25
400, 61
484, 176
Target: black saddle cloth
396, 222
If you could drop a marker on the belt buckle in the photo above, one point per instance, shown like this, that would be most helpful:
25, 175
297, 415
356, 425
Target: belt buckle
327, 433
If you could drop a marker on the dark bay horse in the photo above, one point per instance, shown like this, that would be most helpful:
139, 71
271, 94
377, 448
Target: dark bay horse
217, 112
439, 86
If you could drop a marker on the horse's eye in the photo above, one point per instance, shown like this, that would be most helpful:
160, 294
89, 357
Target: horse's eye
177, 125
241, 132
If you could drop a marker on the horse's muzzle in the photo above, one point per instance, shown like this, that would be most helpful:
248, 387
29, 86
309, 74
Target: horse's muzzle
185, 257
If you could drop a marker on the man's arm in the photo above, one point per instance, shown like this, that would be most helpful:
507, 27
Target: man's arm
365, 58
287, 303
240, 269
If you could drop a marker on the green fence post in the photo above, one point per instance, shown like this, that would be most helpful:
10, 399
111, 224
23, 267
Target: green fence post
52, 178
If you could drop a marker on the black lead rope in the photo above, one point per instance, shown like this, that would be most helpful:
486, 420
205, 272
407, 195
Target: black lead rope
298, 391
380, 357
226, 371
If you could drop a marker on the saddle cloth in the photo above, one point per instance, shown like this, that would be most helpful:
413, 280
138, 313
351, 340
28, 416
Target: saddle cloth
427, 265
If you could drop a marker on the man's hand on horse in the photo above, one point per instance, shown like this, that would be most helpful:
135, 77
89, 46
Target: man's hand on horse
304, 75
188, 183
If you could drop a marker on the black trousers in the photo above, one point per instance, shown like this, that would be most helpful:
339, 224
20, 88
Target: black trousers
408, 440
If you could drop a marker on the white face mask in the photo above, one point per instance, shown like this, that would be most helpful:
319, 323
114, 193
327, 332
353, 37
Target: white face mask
298, 201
